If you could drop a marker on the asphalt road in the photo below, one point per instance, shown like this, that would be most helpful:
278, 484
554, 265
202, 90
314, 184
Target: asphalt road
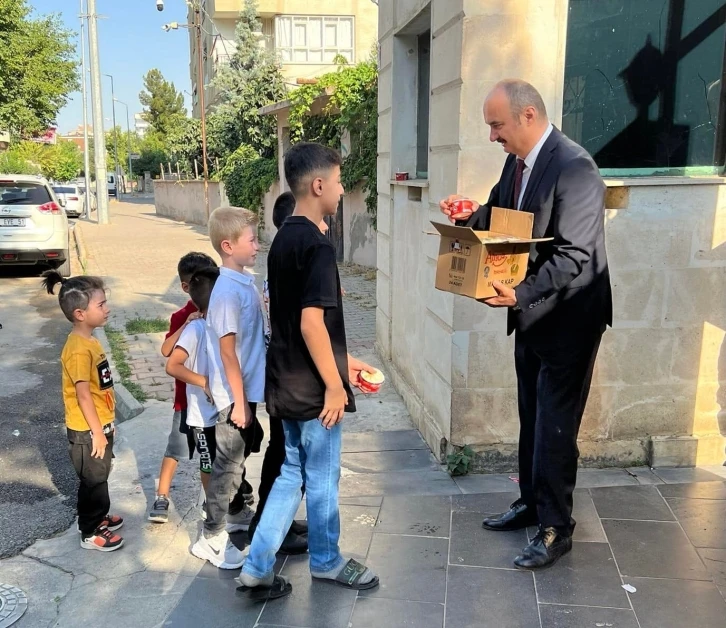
37, 482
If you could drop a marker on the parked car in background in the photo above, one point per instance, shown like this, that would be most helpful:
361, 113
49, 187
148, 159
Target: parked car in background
112, 184
33, 225
74, 197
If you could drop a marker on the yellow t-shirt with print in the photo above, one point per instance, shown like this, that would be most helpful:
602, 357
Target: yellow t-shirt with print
83, 360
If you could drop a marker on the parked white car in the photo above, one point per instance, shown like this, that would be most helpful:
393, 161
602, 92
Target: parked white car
33, 225
73, 196
112, 184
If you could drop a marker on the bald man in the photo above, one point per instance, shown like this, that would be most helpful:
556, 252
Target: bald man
558, 313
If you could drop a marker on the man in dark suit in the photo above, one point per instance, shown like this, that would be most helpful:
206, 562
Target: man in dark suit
558, 313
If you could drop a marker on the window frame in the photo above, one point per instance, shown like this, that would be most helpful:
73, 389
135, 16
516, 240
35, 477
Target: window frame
337, 50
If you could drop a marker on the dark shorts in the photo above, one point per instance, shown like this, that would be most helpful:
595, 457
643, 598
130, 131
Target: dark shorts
176, 446
206, 445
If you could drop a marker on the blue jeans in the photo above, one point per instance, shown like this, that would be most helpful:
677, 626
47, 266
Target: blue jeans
312, 455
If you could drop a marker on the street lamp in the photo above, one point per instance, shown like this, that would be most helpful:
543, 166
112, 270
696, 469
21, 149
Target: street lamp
128, 142
197, 26
115, 133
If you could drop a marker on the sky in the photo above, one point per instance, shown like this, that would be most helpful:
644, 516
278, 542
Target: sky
131, 42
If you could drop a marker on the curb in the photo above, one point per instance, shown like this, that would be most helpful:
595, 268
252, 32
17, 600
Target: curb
127, 407
80, 245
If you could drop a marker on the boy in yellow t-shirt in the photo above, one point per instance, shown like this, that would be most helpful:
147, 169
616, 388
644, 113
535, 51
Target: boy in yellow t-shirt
89, 406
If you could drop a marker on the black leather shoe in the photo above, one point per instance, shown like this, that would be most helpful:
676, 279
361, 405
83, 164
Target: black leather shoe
544, 551
517, 517
294, 544
299, 527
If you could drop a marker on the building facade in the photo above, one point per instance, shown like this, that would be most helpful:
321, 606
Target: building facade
640, 85
141, 126
306, 38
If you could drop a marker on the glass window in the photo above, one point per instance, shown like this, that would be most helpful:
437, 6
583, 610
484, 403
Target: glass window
314, 39
23, 193
422, 109
644, 90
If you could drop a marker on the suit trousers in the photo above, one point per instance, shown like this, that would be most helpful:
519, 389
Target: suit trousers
553, 381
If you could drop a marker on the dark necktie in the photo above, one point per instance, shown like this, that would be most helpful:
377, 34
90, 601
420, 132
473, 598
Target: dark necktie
518, 181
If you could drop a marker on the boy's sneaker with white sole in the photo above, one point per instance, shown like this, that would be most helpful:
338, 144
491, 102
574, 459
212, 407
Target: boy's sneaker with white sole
112, 522
160, 510
102, 540
240, 522
219, 551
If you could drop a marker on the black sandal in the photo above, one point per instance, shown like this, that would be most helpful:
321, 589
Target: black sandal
349, 577
280, 587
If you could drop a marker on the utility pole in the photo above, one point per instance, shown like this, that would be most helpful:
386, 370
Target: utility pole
115, 136
200, 87
86, 158
99, 140
197, 26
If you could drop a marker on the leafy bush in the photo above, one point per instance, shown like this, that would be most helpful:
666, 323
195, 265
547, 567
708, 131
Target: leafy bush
353, 106
247, 180
11, 163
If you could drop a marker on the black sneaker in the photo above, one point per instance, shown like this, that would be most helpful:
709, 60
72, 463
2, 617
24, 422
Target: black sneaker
160, 511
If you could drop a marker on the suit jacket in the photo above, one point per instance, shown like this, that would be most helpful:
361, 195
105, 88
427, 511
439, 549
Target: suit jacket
567, 287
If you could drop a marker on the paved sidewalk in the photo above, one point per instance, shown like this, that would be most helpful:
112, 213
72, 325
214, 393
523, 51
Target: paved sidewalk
662, 532
137, 254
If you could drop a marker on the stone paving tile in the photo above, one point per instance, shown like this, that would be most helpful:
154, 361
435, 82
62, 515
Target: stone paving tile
684, 476
410, 568
587, 576
370, 612
704, 520
490, 598
654, 549
661, 603
559, 616
631, 502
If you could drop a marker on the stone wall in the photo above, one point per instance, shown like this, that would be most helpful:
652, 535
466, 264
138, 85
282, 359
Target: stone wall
659, 392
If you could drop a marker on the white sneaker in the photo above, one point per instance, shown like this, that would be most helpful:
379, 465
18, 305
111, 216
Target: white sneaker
219, 551
241, 521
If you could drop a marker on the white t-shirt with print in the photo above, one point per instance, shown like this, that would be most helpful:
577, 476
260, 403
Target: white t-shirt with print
200, 411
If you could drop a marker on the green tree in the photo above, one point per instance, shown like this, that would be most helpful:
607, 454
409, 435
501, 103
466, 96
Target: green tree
125, 138
161, 101
61, 162
38, 68
251, 80
183, 142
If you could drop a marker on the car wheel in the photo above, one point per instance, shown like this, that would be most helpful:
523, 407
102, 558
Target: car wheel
65, 268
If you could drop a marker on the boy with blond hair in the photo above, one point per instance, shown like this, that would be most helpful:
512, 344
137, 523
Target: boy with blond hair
236, 349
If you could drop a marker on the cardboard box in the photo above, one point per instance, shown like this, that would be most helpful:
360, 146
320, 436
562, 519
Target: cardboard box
469, 261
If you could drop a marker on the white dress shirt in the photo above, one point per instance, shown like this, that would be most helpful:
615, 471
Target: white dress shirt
529, 161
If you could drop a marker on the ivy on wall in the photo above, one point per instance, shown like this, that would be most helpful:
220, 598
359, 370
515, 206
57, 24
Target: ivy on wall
247, 177
352, 107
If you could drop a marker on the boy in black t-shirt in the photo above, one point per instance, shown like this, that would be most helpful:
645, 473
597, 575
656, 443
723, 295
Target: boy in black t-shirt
307, 383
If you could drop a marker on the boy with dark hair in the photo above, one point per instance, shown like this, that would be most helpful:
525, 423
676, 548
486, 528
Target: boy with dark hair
89, 403
189, 363
177, 446
282, 209
307, 383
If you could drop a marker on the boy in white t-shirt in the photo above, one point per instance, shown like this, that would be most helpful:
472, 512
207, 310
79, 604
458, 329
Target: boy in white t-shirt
189, 362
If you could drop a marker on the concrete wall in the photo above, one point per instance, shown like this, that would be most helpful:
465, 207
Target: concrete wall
659, 391
184, 200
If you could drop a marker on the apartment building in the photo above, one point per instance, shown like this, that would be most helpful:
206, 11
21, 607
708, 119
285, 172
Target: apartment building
306, 37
